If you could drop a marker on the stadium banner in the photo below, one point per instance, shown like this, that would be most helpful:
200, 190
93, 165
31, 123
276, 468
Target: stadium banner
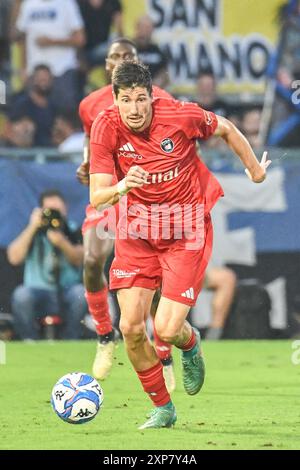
234, 39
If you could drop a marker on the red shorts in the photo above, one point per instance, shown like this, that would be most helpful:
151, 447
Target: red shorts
162, 263
94, 218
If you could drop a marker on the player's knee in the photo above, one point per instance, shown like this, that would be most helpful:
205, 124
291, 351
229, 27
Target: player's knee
132, 332
167, 333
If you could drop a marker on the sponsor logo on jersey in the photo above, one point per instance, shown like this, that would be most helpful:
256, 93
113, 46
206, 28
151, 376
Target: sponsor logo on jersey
121, 273
127, 147
167, 145
162, 177
208, 118
128, 151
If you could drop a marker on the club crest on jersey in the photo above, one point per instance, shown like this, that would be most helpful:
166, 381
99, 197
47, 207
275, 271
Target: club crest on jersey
167, 145
208, 118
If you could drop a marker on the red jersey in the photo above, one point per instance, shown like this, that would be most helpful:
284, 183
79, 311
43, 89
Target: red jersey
102, 99
89, 109
166, 149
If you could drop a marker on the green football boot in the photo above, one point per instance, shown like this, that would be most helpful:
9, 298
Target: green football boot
161, 417
193, 368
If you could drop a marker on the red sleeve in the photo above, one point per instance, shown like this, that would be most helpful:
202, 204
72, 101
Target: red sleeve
85, 116
197, 122
102, 146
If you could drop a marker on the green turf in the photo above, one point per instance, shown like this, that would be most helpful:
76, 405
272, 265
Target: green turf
250, 400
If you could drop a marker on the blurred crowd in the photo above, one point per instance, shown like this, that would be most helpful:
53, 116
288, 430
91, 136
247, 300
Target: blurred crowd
54, 67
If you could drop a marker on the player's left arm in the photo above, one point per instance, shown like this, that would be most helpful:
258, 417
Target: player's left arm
236, 141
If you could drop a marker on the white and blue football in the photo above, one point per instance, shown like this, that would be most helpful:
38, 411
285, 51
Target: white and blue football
77, 397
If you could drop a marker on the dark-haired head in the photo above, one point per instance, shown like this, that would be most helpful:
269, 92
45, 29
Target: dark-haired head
50, 193
120, 50
123, 40
53, 199
132, 88
131, 75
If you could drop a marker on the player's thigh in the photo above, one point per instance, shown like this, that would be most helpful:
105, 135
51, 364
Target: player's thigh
170, 316
183, 269
96, 248
135, 264
135, 304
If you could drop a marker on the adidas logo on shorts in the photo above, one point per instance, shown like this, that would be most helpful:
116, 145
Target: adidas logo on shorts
189, 293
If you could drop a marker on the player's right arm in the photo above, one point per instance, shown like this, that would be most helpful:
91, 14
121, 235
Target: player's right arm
82, 172
103, 193
103, 145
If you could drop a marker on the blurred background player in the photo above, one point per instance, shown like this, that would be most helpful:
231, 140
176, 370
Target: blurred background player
96, 251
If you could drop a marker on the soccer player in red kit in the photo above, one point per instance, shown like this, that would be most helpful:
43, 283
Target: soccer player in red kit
160, 167
97, 251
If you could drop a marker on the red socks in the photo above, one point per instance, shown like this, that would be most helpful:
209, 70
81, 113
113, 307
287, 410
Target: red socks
190, 343
153, 383
98, 308
163, 350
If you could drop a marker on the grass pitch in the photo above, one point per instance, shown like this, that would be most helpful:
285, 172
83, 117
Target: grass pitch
250, 400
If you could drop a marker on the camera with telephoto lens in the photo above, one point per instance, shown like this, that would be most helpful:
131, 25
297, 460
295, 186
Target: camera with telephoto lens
52, 219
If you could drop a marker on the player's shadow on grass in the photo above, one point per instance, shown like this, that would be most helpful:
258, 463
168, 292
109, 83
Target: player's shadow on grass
258, 394
204, 430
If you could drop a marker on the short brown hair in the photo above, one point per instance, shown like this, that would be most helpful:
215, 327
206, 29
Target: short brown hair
131, 74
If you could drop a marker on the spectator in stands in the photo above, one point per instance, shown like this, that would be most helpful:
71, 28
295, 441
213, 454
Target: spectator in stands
149, 53
19, 132
250, 127
288, 12
52, 32
100, 17
207, 96
67, 134
53, 254
36, 102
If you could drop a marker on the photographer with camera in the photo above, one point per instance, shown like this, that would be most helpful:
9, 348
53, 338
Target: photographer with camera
53, 255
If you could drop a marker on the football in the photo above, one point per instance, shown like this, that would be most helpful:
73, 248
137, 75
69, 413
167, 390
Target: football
77, 398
